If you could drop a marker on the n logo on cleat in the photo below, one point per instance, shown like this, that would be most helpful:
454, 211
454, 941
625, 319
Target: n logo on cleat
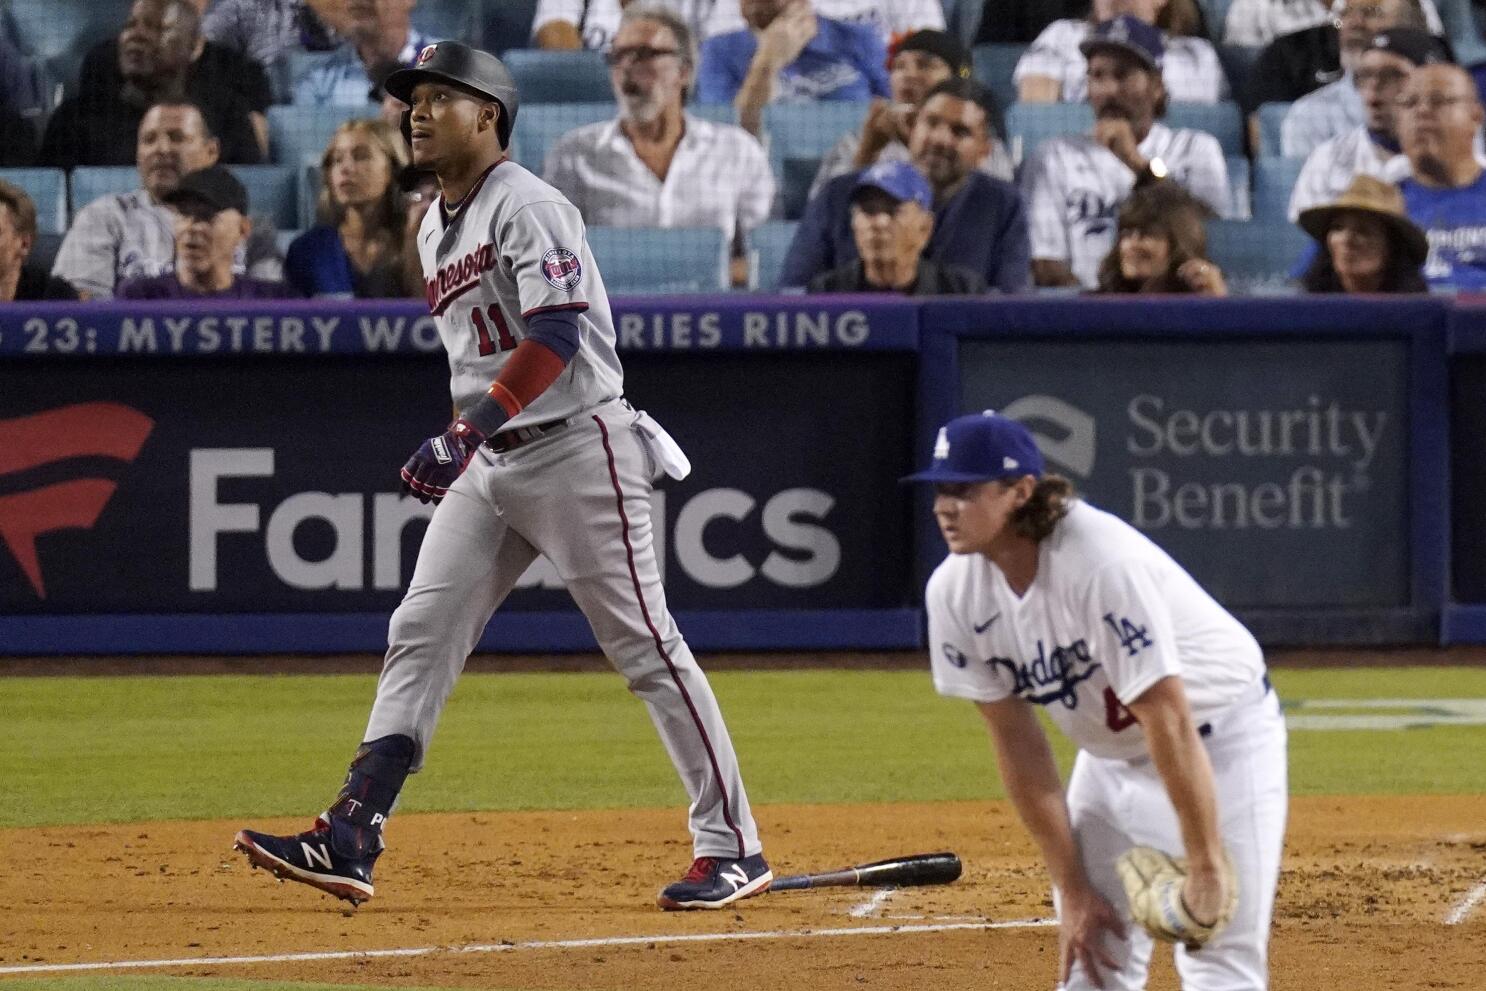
736, 876
311, 856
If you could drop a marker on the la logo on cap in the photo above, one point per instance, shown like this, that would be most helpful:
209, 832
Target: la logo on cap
941, 445
427, 53
1008, 463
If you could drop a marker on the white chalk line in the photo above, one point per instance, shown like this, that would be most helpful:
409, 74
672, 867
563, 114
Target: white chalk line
555, 944
871, 905
1463, 909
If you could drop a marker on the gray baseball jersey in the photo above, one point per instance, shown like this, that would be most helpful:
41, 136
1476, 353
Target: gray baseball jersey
1074, 188
578, 493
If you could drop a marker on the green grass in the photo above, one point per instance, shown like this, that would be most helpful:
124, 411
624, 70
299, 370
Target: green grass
76, 750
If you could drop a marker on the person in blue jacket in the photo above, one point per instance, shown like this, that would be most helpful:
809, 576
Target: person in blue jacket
980, 222
356, 250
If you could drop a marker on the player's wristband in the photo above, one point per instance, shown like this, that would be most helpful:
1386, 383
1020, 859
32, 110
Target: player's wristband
486, 416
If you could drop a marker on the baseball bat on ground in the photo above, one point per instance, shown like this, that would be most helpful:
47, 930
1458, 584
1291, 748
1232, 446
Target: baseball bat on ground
897, 872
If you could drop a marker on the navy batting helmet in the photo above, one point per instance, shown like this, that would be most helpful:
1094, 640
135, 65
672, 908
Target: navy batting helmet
452, 62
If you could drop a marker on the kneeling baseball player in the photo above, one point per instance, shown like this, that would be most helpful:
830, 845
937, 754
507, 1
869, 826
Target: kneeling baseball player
544, 457
1174, 815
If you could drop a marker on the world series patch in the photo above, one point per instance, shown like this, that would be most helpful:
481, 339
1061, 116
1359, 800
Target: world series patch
561, 269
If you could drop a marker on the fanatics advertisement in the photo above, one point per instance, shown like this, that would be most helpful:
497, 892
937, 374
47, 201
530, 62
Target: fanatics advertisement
266, 485
1276, 472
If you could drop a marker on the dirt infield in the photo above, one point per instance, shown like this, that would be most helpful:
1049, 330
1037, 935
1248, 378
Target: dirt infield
1367, 887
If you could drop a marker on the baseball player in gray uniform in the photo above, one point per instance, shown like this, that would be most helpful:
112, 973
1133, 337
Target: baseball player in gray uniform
544, 457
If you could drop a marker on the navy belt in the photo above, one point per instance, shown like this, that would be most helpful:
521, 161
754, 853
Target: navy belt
508, 440
1206, 729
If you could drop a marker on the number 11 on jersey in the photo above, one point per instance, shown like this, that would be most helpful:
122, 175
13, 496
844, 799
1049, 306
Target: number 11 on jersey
503, 339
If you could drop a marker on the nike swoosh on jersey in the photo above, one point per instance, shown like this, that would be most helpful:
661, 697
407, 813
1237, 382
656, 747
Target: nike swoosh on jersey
982, 627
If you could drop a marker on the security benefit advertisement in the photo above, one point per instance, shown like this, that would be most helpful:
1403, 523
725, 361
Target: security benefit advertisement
1273, 471
1468, 477
271, 484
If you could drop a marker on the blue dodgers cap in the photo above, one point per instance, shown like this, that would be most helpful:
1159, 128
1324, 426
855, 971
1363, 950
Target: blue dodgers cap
900, 180
981, 447
1127, 34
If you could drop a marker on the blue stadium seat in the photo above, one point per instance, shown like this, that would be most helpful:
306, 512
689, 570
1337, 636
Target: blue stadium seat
539, 126
1274, 179
1238, 183
994, 65
799, 136
559, 77
770, 241
283, 238
660, 260
1034, 123
1255, 256
48, 190
59, 32
448, 20
299, 134
91, 182
1222, 120
273, 190
1271, 116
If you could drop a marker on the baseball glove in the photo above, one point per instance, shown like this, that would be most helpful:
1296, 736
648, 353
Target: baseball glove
1153, 882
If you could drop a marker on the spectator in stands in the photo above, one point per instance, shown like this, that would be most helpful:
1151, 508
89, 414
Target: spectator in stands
380, 38
889, 18
1075, 184
788, 52
214, 69
1439, 114
210, 210
1055, 69
155, 52
656, 165
1336, 108
356, 248
21, 280
420, 187
1303, 61
1367, 243
916, 64
133, 234
592, 24
1161, 246
1255, 23
979, 222
1371, 148
892, 216
1016, 22
267, 31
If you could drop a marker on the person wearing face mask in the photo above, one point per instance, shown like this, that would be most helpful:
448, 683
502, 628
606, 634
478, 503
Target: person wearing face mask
1161, 246
979, 222
1055, 69
1372, 148
356, 249
1075, 184
211, 224
1367, 243
156, 61
892, 215
129, 235
655, 165
916, 64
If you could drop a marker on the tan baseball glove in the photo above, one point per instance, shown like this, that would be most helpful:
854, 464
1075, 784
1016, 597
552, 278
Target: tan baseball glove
1153, 882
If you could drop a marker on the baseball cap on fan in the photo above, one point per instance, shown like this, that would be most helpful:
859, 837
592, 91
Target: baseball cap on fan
900, 180
981, 447
1130, 35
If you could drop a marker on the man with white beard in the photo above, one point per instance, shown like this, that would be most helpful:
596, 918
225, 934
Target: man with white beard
656, 165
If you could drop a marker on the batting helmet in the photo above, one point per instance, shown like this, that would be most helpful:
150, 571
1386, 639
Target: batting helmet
451, 62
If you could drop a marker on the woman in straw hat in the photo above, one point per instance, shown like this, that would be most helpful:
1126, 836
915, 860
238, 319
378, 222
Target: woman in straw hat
1368, 243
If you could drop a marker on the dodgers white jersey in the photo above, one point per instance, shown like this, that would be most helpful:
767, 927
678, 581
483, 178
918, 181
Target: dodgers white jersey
1074, 187
1190, 67
515, 247
1330, 169
1107, 616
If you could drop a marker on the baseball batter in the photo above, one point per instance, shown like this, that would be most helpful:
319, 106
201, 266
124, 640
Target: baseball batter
544, 457
1048, 603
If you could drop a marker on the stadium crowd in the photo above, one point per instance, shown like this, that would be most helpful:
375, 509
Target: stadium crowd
246, 148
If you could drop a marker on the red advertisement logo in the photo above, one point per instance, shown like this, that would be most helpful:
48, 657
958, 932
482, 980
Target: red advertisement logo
106, 430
